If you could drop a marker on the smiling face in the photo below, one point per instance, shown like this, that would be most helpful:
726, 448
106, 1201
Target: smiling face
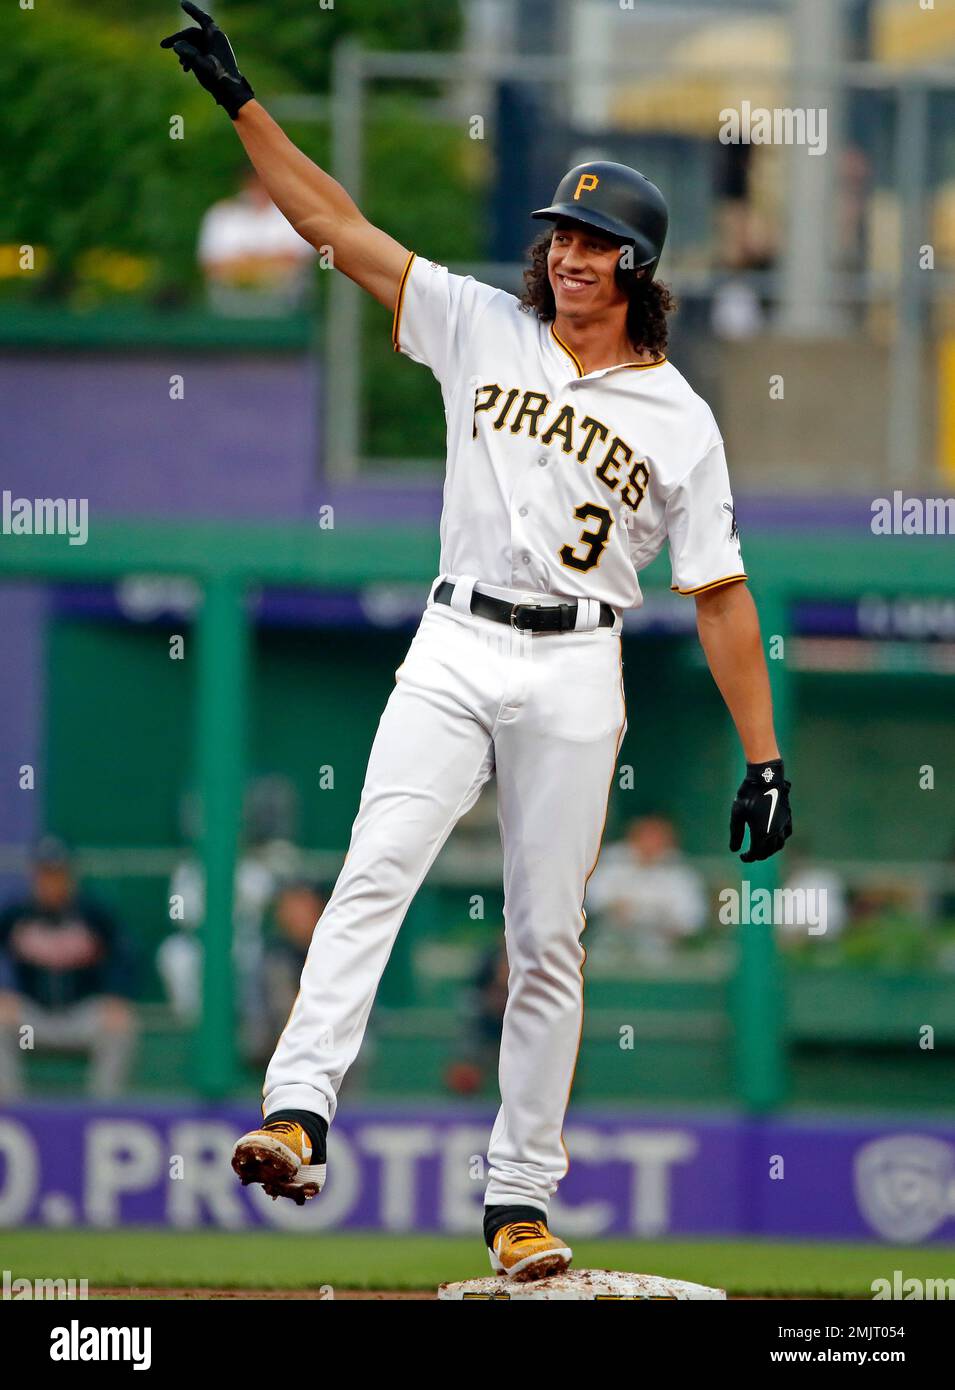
582, 269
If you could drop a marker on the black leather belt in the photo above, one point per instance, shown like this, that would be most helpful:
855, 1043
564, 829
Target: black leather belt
526, 617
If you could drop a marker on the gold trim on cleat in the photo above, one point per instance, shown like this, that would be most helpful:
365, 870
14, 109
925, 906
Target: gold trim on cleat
278, 1162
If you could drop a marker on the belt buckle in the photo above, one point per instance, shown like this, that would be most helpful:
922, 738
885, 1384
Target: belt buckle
516, 609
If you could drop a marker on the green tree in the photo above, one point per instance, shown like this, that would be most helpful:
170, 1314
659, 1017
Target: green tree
297, 36
303, 42
88, 162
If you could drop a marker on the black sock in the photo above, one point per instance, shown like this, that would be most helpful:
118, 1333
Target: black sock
314, 1126
496, 1217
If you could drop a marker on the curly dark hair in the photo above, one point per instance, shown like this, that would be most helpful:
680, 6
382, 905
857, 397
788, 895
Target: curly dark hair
650, 301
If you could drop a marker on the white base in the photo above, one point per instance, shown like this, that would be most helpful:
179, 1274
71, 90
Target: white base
589, 1285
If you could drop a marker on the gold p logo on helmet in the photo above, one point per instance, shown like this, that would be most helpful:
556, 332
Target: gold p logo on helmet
585, 184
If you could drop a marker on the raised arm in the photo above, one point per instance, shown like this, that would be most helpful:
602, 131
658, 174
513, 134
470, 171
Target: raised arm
315, 204
319, 208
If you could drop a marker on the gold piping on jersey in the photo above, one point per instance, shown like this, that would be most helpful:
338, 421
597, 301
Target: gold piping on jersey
713, 584
569, 351
399, 302
623, 366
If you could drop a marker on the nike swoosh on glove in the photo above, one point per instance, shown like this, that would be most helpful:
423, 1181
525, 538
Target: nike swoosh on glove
207, 52
762, 803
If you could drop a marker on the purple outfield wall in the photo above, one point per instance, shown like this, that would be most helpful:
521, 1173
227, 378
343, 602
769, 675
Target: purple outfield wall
240, 445
23, 610
421, 1169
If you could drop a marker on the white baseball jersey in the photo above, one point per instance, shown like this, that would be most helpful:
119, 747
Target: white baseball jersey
560, 482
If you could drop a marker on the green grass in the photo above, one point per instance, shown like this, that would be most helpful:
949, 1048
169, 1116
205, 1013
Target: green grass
222, 1260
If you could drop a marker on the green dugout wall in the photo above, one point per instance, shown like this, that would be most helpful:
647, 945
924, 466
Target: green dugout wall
120, 746
120, 725
119, 743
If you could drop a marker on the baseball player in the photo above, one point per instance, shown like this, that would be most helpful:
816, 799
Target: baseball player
575, 451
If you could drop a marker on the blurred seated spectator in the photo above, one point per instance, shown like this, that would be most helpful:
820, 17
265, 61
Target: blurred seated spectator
66, 979
747, 216
254, 261
483, 1015
647, 896
296, 911
822, 902
268, 856
179, 958
179, 966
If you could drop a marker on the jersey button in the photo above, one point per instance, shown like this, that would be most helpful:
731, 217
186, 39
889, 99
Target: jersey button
522, 512
525, 559
543, 461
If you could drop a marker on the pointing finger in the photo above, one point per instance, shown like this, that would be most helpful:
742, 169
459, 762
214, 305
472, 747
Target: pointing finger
205, 21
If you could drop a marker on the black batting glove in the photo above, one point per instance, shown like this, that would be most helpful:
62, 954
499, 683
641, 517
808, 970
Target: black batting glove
208, 53
762, 803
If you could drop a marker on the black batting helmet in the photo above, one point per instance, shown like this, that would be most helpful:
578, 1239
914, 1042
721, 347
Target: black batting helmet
618, 200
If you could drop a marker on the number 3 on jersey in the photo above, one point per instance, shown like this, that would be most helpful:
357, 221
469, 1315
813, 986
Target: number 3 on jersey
595, 540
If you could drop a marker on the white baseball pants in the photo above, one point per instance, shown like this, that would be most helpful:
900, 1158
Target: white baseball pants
546, 714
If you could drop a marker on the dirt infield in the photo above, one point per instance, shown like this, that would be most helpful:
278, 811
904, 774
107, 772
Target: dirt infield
274, 1295
346, 1295
280, 1295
